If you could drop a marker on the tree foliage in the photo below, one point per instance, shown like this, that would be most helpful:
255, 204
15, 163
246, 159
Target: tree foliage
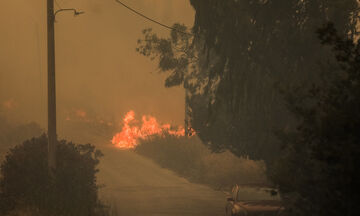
26, 184
240, 51
175, 54
317, 172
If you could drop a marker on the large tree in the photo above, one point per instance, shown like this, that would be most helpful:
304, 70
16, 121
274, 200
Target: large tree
238, 52
317, 171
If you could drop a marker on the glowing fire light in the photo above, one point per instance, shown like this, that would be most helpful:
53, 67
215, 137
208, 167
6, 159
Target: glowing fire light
9, 104
128, 137
80, 113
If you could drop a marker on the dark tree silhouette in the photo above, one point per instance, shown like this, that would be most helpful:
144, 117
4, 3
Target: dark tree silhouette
239, 52
25, 183
317, 172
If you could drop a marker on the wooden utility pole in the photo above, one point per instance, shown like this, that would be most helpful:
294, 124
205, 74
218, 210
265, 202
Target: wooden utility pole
52, 137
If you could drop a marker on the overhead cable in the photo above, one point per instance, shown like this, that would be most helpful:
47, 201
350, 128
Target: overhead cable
150, 19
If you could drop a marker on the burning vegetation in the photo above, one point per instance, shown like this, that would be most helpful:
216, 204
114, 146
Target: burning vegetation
133, 130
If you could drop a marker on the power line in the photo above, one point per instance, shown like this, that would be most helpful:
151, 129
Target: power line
150, 19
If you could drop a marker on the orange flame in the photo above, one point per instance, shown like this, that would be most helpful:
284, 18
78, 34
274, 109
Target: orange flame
128, 137
80, 113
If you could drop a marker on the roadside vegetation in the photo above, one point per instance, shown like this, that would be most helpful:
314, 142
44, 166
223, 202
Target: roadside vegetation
318, 165
28, 189
277, 81
188, 157
26, 184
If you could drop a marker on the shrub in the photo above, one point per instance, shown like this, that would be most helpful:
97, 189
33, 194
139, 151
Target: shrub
26, 183
189, 158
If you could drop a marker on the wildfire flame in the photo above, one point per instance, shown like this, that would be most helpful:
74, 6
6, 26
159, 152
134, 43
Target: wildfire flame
81, 113
130, 134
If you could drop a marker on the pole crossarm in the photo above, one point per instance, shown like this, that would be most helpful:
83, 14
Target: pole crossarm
76, 13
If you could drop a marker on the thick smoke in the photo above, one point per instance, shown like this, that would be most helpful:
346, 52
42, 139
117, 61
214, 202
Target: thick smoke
98, 69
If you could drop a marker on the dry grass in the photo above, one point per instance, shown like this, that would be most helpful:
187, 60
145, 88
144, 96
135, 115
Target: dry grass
189, 158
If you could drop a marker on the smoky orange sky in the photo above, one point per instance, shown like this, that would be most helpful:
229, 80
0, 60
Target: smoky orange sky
97, 68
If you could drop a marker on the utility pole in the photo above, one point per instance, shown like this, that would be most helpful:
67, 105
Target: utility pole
52, 136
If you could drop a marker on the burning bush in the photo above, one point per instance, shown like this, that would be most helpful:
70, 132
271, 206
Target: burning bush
189, 158
26, 185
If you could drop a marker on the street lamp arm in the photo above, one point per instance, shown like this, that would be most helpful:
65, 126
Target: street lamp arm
68, 9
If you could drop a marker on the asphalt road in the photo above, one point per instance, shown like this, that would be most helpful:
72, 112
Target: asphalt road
136, 186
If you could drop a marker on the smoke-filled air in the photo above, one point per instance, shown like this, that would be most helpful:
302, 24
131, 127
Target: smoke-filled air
179, 107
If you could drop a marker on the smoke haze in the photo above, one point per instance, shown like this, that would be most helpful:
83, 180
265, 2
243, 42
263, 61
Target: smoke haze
97, 67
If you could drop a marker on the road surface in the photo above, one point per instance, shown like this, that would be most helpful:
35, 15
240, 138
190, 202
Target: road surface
137, 186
